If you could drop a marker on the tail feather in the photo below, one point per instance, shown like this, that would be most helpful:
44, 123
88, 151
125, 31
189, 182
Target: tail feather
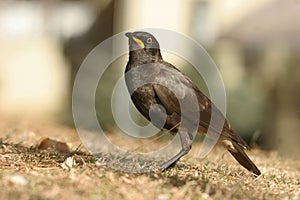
238, 153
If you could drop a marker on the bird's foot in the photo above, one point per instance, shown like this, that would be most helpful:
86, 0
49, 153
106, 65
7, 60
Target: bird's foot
183, 166
166, 165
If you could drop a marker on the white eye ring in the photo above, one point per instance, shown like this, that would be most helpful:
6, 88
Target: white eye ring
149, 40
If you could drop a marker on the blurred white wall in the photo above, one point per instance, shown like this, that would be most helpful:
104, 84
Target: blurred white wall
34, 75
167, 14
231, 12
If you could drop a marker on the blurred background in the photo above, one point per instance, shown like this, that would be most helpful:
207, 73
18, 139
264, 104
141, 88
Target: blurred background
255, 44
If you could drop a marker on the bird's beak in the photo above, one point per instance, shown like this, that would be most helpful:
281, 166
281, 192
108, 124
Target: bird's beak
135, 39
129, 35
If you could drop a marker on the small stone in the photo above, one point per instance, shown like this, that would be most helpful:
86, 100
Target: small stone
69, 163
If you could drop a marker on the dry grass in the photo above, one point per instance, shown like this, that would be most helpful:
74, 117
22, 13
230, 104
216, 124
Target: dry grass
27, 173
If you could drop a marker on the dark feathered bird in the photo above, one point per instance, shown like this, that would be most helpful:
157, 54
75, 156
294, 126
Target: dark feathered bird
151, 81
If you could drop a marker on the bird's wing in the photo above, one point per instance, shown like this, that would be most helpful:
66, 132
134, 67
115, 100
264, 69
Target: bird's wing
173, 90
177, 87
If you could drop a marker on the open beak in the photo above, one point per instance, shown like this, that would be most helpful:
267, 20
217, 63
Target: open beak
135, 39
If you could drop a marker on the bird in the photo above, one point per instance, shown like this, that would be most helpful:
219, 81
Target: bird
157, 89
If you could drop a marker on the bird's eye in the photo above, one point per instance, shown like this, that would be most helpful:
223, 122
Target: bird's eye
149, 40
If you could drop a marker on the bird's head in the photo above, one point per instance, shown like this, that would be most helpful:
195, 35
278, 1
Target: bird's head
142, 40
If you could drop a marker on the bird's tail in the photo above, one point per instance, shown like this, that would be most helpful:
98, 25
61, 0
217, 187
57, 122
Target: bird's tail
239, 154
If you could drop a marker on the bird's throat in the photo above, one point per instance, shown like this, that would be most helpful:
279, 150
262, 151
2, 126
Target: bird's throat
144, 56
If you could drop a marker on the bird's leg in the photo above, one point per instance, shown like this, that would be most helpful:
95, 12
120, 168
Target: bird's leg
186, 140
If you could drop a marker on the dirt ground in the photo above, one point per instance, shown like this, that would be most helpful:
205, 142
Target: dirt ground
29, 173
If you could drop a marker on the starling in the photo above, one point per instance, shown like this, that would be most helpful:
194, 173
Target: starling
152, 81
